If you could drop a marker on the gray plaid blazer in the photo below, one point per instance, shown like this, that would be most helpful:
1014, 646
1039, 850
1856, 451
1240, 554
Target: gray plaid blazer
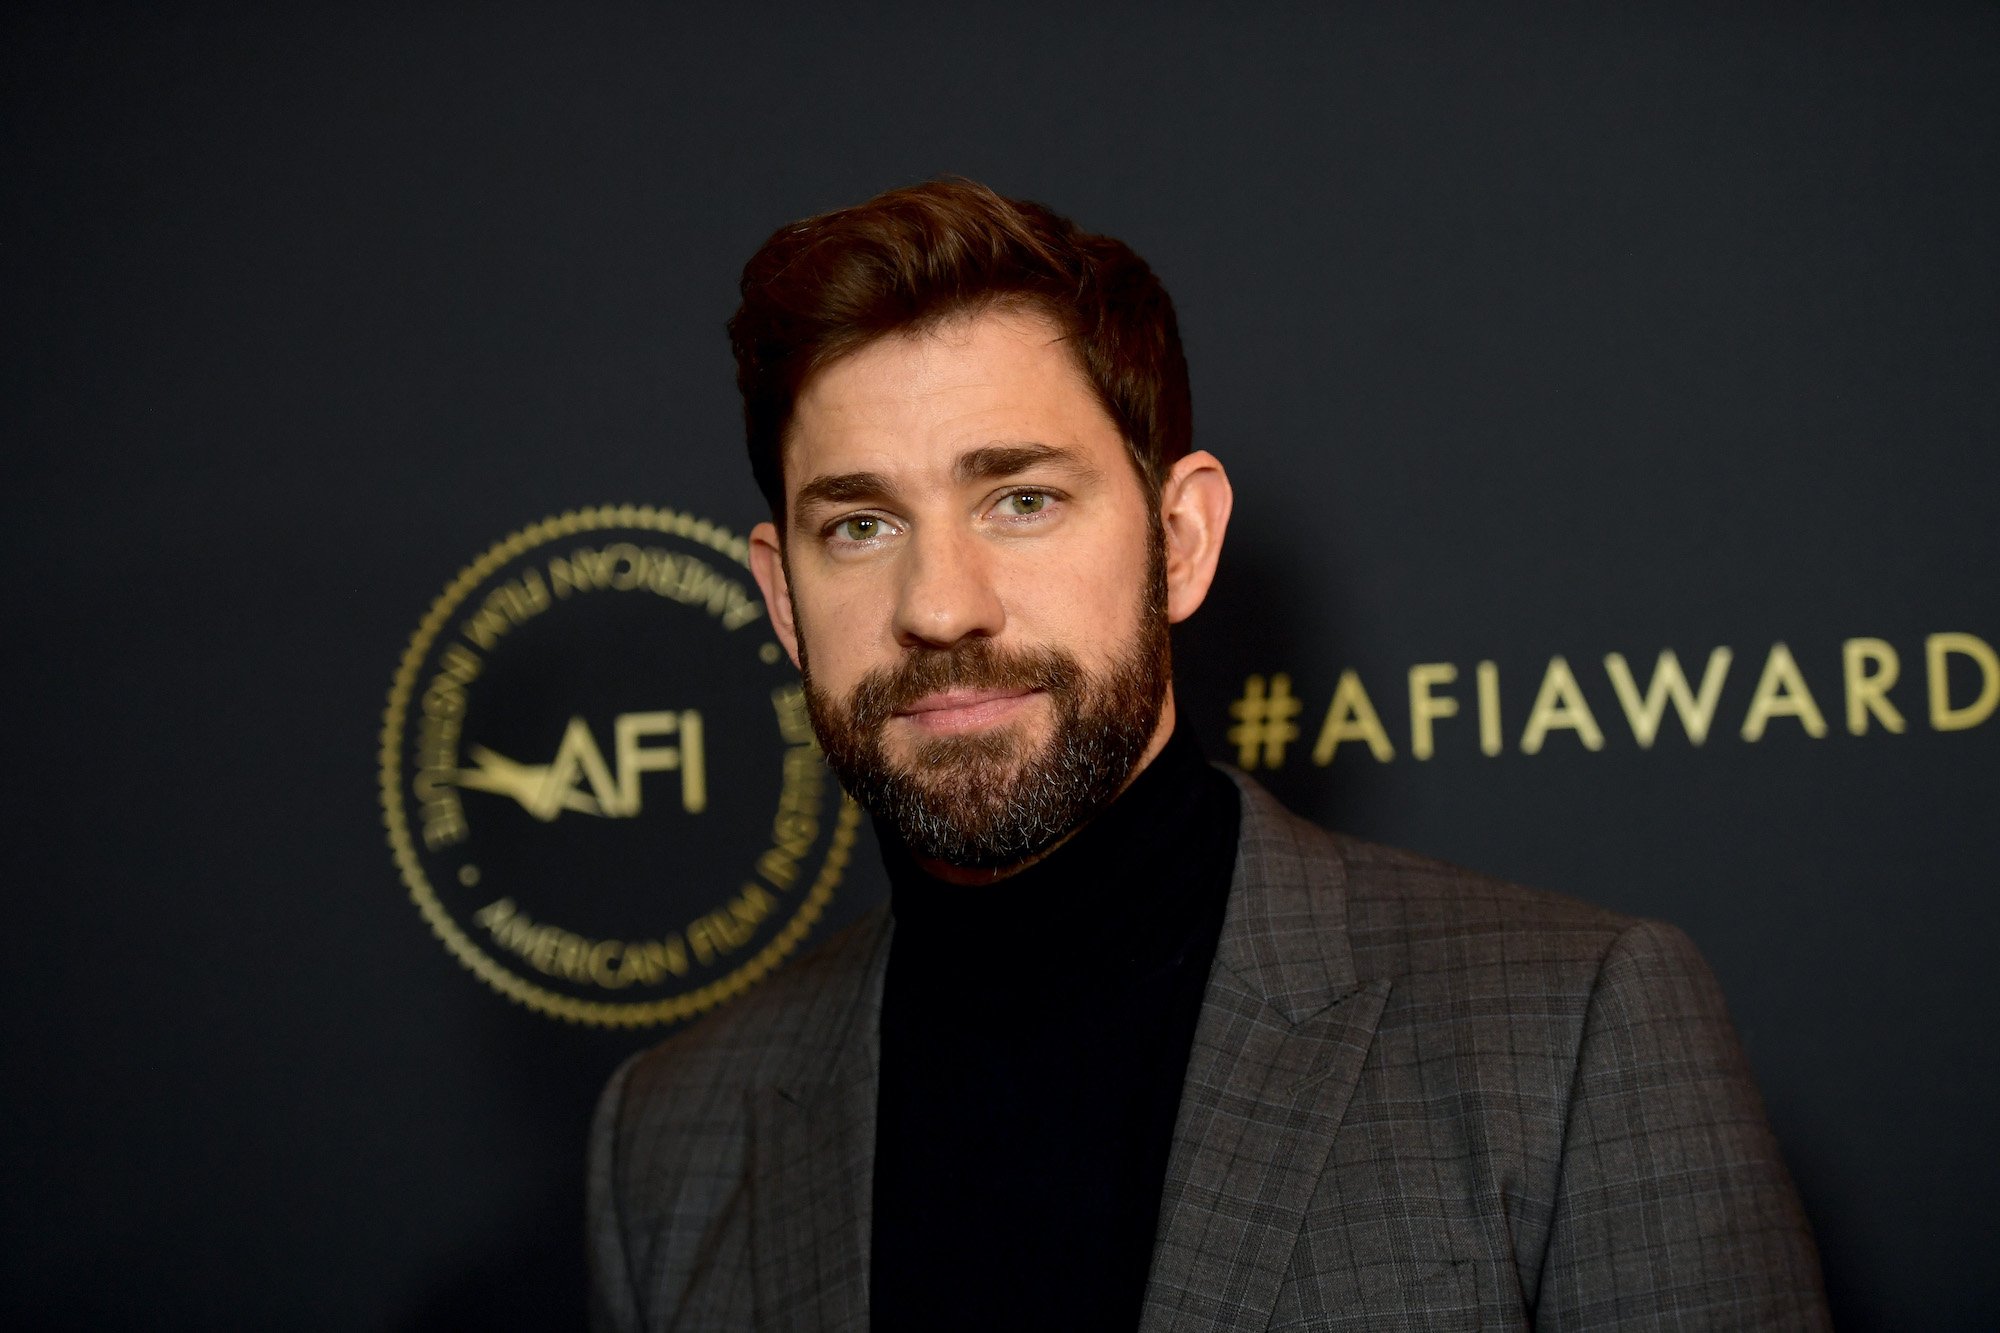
1417, 1099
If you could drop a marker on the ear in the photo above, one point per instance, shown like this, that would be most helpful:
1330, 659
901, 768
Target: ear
1194, 513
767, 564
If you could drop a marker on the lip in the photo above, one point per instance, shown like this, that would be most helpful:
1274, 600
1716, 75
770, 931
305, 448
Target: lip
964, 710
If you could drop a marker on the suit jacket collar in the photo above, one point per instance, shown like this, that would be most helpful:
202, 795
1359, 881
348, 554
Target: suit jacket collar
840, 1042
1283, 1032
812, 1149
1285, 936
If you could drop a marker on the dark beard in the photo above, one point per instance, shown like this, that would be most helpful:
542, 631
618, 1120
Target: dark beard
988, 800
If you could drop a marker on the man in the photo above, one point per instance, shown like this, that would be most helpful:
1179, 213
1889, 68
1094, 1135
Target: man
1132, 1046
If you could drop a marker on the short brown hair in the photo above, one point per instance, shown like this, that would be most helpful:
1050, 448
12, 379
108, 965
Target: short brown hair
912, 258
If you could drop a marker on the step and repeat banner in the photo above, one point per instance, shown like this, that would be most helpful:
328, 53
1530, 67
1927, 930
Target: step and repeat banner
402, 740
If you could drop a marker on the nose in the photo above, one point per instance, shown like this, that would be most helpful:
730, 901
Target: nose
947, 592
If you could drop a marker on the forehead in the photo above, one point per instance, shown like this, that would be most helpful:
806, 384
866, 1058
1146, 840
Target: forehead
909, 400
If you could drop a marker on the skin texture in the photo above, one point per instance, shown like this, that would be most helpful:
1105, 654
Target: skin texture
965, 482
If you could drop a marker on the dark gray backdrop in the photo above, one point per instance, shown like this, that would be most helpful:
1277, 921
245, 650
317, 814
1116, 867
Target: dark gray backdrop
1524, 331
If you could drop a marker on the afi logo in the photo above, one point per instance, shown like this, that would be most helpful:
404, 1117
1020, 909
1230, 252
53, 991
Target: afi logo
579, 779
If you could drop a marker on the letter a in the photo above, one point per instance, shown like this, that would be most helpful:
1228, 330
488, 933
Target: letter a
578, 756
1351, 717
1782, 692
1560, 704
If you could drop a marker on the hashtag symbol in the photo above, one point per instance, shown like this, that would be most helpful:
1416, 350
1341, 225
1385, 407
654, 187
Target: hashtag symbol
1264, 721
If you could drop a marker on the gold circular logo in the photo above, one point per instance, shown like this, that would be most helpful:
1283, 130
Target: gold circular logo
598, 776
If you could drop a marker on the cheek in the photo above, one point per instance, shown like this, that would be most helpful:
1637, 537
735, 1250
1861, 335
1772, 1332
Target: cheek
840, 631
1087, 600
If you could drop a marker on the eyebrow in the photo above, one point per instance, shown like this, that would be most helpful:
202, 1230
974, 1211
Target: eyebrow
995, 461
990, 462
839, 489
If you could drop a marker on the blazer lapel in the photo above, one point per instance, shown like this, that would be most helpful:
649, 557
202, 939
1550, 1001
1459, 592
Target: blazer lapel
1284, 1031
812, 1171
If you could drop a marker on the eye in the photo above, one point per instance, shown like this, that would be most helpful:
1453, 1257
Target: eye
858, 528
1024, 504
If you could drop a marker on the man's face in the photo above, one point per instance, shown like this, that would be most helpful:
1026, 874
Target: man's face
976, 587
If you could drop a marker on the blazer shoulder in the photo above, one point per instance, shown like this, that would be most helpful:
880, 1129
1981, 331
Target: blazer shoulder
1392, 881
1406, 912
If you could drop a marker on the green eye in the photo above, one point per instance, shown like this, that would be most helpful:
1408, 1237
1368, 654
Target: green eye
1028, 502
859, 529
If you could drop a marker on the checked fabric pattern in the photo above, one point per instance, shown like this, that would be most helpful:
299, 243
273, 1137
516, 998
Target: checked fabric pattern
1418, 1099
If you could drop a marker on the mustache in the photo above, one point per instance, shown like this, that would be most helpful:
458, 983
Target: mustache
976, 664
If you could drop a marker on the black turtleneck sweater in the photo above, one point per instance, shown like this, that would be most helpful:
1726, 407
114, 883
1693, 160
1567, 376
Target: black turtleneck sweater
1035, 1034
